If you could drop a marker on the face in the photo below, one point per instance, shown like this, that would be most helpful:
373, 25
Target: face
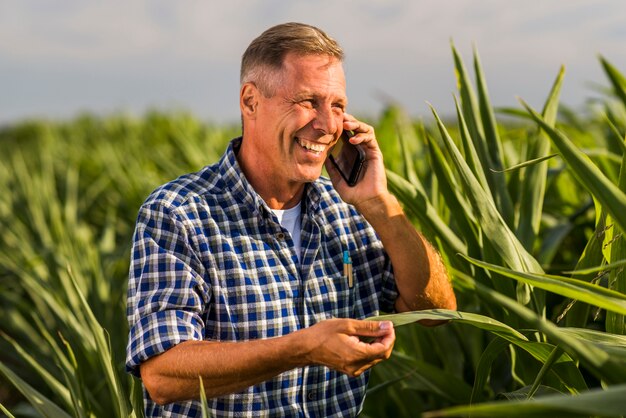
296, 127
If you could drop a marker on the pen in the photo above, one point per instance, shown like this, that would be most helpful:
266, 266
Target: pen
347, 268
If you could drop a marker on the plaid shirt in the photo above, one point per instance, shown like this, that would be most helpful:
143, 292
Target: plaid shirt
211, 262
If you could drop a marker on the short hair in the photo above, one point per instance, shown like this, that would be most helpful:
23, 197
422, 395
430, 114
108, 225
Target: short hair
263, 59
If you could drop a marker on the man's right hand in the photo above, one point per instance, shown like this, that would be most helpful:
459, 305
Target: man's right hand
337, 344
228, 367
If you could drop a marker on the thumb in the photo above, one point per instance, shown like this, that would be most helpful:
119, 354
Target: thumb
373, 328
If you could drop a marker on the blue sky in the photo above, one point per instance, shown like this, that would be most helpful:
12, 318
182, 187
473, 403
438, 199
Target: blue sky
58, 58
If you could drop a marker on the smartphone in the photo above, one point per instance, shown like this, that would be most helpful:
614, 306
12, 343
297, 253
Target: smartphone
348, 158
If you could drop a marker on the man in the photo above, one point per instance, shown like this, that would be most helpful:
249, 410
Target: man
237, 272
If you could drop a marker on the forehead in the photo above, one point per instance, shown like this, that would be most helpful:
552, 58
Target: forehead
314, 72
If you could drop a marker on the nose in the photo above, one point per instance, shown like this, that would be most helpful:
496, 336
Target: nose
326, 120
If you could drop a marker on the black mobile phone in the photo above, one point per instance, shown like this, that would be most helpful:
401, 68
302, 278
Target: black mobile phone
348, 158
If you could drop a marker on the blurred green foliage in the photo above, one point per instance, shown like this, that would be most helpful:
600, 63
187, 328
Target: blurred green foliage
512, 206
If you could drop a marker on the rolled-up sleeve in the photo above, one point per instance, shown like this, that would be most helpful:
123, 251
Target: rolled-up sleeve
167, 293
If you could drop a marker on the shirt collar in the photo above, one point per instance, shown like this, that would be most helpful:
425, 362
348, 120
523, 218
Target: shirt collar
242, 190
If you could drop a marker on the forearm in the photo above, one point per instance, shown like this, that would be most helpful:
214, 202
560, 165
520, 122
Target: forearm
421, 276
225, 367
228, 367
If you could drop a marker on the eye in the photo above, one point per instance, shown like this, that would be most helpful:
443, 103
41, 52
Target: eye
308, 103
339, 106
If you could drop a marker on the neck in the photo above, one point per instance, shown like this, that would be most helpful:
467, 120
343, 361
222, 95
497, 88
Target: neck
282, 203
276, 190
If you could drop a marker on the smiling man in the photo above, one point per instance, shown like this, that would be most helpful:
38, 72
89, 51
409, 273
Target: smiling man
238, 273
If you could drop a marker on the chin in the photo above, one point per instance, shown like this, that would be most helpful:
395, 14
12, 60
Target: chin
310, 178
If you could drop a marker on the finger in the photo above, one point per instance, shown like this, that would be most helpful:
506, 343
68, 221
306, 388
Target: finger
349, 118
364, 368
372, 328
364, 135
370, 360
386, 340
352, 124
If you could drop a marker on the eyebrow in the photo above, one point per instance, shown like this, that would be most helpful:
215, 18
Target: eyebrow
308, 94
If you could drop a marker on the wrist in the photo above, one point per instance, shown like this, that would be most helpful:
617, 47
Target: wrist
300, 348
383, 206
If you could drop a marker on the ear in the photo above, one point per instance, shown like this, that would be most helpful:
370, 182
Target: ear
248, 100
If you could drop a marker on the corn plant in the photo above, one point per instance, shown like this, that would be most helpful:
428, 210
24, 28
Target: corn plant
519, 202
65, 227
528, 216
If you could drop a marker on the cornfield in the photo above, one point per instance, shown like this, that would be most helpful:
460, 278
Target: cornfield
528, 215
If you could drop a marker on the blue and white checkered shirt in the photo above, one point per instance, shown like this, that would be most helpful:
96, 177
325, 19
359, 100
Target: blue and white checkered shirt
210, 261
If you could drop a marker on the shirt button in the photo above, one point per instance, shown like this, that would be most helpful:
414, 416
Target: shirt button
280, 236
312, 395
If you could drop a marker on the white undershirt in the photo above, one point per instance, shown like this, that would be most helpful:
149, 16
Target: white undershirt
290, 220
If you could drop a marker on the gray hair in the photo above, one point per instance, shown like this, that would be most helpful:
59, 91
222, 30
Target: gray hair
263, 59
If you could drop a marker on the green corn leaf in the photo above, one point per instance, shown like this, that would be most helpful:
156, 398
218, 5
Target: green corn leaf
105, 358
565, 286
53, 383
388, 381
551, 106
614, 344
522, 393
576, 313
494, 147
495, 228
419, 205
528, 163
464, 218
535, 177
43, 405
616, 323
472, 133
563, 366
616, 140
74, 382
607, 193
610, 402
598, 269
597, 360
554, 356
472, 157
476, 320
203, 400
618, 81
517, 113
469, 103
6, 411
136, 397
492, 138
446, 385
407, 137
483, 370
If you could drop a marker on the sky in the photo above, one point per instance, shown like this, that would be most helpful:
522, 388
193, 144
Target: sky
61, 58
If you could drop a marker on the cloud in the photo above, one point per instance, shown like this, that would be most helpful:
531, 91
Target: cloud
117, 53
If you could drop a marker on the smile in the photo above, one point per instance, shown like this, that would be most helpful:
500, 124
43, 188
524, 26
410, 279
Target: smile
311, 146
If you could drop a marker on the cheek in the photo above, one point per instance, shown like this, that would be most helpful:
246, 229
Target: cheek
339, 118
304, 116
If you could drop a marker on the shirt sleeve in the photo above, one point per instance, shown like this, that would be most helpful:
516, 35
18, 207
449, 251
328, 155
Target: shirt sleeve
389, 291
167, 293
379, 265
380, 295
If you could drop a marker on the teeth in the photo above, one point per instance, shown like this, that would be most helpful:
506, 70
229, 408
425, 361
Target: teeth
311, 146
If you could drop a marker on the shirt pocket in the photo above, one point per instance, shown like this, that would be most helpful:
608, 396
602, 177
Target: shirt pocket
330, 296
